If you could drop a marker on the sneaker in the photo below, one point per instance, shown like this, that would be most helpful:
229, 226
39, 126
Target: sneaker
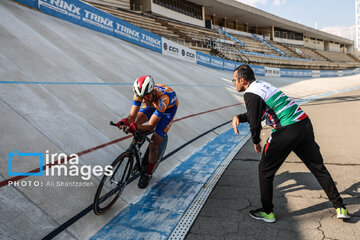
259, 214
144, 181
342, 213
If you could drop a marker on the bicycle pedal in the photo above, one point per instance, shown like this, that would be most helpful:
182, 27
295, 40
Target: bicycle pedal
135, 170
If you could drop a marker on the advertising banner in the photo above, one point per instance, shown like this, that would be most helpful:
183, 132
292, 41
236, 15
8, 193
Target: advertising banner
328, 73
315, 73
137, 35
348, 72
68, 10
178, 51
302, 73
231, 65
79, 13
83, 14
272, 72
30, 3
209, 61
286, 72
258, 70
307, 73
97, 20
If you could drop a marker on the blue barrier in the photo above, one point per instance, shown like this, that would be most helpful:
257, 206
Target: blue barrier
136, 35
349, 72
325, 73
30, 3
296, 73
231, 65
97, 20
258, 70
209, 61
68, 10
80, 13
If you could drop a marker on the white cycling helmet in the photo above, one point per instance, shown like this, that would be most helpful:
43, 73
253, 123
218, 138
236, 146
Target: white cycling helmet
143, 85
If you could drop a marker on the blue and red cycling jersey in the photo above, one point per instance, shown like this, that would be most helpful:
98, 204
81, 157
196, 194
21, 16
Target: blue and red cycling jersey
164, 106
165, 99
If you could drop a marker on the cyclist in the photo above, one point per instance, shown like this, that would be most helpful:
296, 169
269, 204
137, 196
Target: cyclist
159, 106
292, 131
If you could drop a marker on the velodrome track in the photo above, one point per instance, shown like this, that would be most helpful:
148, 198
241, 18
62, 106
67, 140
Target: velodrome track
61, 84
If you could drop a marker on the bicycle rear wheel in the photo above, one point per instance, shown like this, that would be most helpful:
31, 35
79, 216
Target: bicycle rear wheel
112, 186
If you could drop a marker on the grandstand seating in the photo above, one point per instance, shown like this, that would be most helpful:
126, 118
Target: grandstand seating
124, 4
145, 22
290, 52
212, 42
335, 56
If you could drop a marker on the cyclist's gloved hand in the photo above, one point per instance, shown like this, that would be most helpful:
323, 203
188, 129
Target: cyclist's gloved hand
132, 127
122, 122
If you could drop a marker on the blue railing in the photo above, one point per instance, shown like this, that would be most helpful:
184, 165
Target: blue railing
231, 37
268, 44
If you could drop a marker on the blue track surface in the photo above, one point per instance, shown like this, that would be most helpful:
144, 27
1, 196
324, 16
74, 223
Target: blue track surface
156, 214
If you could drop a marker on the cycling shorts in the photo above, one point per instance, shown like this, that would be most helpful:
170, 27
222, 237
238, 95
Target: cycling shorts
166, 119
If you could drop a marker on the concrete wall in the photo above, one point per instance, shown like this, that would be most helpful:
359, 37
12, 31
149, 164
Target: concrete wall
290, 41
315, 44
334, 47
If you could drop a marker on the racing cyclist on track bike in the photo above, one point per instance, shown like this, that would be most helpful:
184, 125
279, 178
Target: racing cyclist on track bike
159, 106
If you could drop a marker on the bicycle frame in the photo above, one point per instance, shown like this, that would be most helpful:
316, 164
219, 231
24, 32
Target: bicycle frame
134, 149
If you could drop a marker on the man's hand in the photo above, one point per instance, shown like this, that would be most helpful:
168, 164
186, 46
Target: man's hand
257, 148
131, 128
235, 123
122, 123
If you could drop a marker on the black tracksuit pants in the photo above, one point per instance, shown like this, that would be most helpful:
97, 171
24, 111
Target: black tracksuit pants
298, 137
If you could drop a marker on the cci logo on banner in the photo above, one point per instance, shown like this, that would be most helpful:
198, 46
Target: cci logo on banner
178, 51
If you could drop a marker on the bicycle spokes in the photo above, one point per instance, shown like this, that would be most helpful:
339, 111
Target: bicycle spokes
111, 187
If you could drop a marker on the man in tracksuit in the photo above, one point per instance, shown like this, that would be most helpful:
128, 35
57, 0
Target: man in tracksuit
292, 131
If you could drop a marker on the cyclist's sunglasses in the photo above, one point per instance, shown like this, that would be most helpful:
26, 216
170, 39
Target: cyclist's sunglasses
147, 97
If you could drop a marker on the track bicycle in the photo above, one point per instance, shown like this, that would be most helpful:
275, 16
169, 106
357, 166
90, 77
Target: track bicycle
126, 167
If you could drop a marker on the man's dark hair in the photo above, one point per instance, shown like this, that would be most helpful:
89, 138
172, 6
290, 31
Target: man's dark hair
245, 71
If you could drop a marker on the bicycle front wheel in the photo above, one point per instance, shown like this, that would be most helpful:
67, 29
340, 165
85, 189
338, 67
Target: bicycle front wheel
112, 186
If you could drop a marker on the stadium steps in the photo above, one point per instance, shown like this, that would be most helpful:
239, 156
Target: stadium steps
174, 30
139, 20
337, 56
290, 51
124, 4
321, 55
354, 57
268, 45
